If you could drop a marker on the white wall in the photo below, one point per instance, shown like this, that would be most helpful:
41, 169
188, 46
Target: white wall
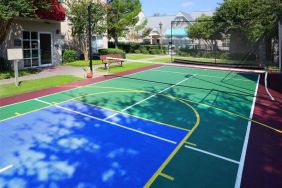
21, 25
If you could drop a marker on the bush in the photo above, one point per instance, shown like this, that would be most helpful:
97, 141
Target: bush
112, 51
139, 48
69, 56
4, 64
155, 51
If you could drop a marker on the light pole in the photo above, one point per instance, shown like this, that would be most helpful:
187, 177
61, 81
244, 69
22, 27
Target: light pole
161, 26
90, 37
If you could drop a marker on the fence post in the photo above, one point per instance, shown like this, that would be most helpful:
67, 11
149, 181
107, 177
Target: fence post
280, 43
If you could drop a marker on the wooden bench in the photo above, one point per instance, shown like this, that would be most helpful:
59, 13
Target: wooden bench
107, 62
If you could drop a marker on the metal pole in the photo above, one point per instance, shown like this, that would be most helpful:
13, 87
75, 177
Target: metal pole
90, 37
171, 40
16, 71
280, 44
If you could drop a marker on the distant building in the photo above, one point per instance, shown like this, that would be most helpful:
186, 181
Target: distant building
98, 42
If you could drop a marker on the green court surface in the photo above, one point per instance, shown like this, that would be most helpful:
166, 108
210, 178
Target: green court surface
213, 106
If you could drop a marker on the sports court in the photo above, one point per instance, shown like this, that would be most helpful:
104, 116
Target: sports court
169, 126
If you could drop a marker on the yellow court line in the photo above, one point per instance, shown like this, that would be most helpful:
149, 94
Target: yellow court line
220, 109
106, 108
165, 163
24, 114
167, 176
235, 114
191, 144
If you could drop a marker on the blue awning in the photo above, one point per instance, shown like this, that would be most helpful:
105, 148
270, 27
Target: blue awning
179, 32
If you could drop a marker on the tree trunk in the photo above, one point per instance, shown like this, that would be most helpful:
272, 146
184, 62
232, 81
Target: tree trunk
261, 53
85, 52
4, 29
84, 43
268, 51
116, 41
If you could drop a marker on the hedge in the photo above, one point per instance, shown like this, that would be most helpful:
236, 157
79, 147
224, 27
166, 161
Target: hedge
4, 64
215, 54
70, 56
112, 51
139, 48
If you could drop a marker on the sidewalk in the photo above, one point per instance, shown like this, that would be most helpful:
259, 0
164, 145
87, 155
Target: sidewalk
55, 71
68, 70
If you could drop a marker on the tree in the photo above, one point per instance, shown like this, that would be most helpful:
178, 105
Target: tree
9, 10
204, 29
146, 32
134, 33
121, 15
257, 19
78, 18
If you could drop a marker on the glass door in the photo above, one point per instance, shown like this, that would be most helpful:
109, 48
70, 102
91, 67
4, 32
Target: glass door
30, 49
45, 49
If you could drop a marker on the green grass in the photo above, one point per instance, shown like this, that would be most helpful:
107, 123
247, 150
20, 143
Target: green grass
138, 56
125, 67
162, 60
82, 63
212, 60
10, 74
33, 85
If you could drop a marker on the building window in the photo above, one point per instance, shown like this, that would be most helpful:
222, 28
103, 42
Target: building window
30, 49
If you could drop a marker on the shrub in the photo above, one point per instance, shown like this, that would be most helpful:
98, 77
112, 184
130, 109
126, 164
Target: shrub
137, 51
69, 56
155, 51
4, 64
112, 51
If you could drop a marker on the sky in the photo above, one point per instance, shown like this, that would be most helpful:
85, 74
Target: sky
171, 7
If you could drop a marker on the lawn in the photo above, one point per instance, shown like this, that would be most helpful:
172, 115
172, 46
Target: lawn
212, 60
82, 63
138, 56
32, 85
125, 67
24, 72
162, 60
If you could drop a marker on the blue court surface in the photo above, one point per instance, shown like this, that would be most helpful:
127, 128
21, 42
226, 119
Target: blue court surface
77, 145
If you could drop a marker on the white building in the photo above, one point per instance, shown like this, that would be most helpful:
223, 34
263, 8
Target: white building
39, 38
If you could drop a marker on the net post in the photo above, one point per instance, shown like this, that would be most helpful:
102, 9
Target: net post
90, 37
16, 71
170, 50
280, 43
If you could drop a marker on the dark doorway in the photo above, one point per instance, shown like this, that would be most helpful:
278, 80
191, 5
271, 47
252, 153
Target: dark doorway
45, 49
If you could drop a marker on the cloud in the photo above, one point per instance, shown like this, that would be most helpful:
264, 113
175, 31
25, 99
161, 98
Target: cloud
187, 4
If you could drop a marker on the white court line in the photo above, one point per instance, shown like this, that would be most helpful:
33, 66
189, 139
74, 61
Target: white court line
148, 98
80, 87
5, 168
244, 150
212, 154
244, 80
266, 86
109, 122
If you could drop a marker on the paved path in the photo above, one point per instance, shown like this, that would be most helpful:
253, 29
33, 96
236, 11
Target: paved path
68, 70
55, 71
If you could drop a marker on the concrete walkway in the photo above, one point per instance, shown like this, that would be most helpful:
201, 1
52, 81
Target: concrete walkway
69, 70
56, 71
